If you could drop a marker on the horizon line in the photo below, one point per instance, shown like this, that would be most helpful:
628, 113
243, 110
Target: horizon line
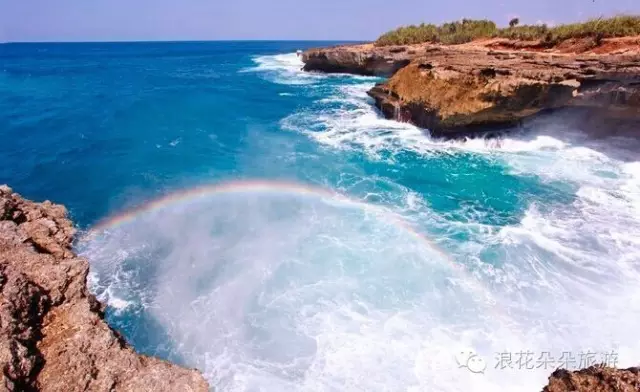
183, 40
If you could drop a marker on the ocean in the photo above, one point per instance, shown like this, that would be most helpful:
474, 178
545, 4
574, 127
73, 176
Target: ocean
268, 227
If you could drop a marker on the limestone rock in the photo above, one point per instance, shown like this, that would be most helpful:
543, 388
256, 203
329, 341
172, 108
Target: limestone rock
52, 333
460, 90
594, 379
456, 92
358, 59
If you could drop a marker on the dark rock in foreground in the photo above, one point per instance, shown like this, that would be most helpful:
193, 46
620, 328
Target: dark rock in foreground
594, 379
52, 333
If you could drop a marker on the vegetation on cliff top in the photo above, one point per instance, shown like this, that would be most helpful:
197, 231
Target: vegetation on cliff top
467, 30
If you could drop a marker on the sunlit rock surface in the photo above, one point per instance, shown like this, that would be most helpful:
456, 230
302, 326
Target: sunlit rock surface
465, 89
52, 333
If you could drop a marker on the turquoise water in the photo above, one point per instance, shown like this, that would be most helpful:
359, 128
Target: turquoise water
332, 249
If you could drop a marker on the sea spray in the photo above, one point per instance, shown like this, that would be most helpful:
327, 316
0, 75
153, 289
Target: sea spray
270, 291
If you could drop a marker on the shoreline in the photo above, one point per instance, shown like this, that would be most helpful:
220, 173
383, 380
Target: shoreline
58, 339
480, 87
54, 336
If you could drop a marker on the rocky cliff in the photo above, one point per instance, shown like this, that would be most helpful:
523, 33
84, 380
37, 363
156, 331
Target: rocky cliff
52, 333
464, 89
594, 379
358, 59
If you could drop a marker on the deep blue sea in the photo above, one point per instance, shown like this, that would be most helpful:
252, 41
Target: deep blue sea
270, 228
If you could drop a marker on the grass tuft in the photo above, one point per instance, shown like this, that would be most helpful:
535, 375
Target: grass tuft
467, 30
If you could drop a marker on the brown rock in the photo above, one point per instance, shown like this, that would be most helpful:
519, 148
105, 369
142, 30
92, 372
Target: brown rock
52, 333
594, 379
22, 306
465, 89
358, 59
455, 92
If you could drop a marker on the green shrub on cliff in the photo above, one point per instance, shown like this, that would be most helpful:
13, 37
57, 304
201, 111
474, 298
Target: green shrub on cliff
468, 30
524, 32
619, 26
465, 31
448, 33
409, 35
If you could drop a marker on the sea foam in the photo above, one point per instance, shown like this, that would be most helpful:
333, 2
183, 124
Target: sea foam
273, 292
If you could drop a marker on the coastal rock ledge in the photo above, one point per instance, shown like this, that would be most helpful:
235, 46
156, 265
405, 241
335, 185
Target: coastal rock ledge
358, 59
53, 336
461, 90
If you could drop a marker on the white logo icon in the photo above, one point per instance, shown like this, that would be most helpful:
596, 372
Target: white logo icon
471, 360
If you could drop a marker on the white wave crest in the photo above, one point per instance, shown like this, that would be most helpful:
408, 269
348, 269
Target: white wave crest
287, 69
265, 293
584, 254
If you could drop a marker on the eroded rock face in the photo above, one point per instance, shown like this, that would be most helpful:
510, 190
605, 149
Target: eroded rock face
594, 379
358, 59
462, 90
52, 333
457, 92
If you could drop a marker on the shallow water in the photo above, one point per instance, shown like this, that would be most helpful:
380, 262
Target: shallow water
299, 240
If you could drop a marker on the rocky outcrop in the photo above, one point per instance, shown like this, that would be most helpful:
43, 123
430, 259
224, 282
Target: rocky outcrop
466, 89
594, 379
358, 59
453, 91
52, 333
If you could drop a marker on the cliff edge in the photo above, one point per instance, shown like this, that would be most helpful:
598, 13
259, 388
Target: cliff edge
365, 60
460, 90
52, 333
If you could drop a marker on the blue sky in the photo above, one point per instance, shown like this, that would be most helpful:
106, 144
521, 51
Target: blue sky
118, 20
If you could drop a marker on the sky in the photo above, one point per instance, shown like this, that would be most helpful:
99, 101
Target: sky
142, 20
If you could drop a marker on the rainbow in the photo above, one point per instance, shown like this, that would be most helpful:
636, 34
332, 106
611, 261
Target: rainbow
262, 187
280, 188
